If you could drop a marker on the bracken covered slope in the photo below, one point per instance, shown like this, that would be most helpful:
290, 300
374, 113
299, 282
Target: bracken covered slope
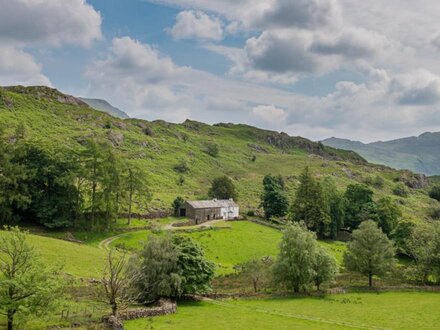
60, 122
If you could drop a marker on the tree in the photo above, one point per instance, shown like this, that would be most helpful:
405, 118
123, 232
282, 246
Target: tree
14, 193
115, 281
223, 188
26, 285
309, 205
325, 268
177, 204
335, 205
358, 197
424, 248
155, 271
135, 188
370, 252
257, 270
295, 261
274, 200
195, 270
50, 183
401, 235
434, 192
388, 214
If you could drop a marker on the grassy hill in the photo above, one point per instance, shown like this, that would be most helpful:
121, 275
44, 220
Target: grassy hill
419, 154
59, 122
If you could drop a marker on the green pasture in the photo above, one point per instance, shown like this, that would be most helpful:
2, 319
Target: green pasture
391, 310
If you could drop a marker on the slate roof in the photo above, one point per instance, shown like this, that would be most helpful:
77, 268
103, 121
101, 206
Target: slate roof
212, 203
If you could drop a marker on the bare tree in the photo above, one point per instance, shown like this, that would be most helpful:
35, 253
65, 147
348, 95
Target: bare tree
115, 281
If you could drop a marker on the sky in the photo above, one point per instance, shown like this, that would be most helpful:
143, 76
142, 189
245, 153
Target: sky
364, 70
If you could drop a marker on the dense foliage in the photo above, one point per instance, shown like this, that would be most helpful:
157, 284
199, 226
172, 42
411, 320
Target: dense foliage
301, 262
66, 189
223, 188
27, 286
370, 252
274, 200
309, 205
168, 267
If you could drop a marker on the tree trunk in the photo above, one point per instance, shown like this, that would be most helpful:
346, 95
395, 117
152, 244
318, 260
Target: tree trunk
114, 309
296, 288
370, 280
130, 201
255, 282
10, 316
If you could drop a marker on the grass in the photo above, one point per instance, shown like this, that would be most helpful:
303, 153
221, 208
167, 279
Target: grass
391, 310
231, 243
77, 259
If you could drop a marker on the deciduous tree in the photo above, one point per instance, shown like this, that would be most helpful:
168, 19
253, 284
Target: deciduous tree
370, 252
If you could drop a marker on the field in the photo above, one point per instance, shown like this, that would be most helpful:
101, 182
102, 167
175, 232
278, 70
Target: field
231, 243
391, 310
77, 259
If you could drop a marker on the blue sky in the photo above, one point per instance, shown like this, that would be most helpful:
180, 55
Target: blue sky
316, 68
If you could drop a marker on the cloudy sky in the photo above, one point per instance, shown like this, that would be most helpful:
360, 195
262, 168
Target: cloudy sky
365, 70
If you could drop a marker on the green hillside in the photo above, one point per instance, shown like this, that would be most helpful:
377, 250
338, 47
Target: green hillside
246, 154
419, 154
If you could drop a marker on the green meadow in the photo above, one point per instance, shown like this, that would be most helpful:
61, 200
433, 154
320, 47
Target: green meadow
390, 310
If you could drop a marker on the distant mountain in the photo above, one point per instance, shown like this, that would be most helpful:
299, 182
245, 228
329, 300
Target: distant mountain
419, 154
103, 105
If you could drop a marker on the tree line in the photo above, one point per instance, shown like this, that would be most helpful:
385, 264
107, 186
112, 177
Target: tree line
53, 188
324, 208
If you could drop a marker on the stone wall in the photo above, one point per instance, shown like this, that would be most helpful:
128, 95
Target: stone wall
163, 307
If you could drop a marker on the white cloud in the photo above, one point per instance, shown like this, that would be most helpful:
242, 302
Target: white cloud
19, 68
148, 84
196, 24
36, 24
53, 22
269, 115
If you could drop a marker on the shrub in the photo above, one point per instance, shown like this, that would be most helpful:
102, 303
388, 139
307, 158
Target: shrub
181, 167
212, 149
401, 190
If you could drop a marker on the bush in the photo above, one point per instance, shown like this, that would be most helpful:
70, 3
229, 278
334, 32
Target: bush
434, 193
401, 190
250, 213
182, 167
212, 149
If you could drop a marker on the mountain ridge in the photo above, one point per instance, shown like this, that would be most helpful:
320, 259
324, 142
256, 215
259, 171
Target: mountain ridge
420, 154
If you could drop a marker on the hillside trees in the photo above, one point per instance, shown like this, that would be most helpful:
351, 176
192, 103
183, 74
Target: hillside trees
424, 247
370, 252
135, 188
335, 207
359, 198
309, 205
13, 189
50, 186
177, 204
299, 258
27, 286
274, 200
222, 188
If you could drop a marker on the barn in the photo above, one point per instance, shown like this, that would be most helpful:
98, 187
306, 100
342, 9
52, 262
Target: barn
202, 211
